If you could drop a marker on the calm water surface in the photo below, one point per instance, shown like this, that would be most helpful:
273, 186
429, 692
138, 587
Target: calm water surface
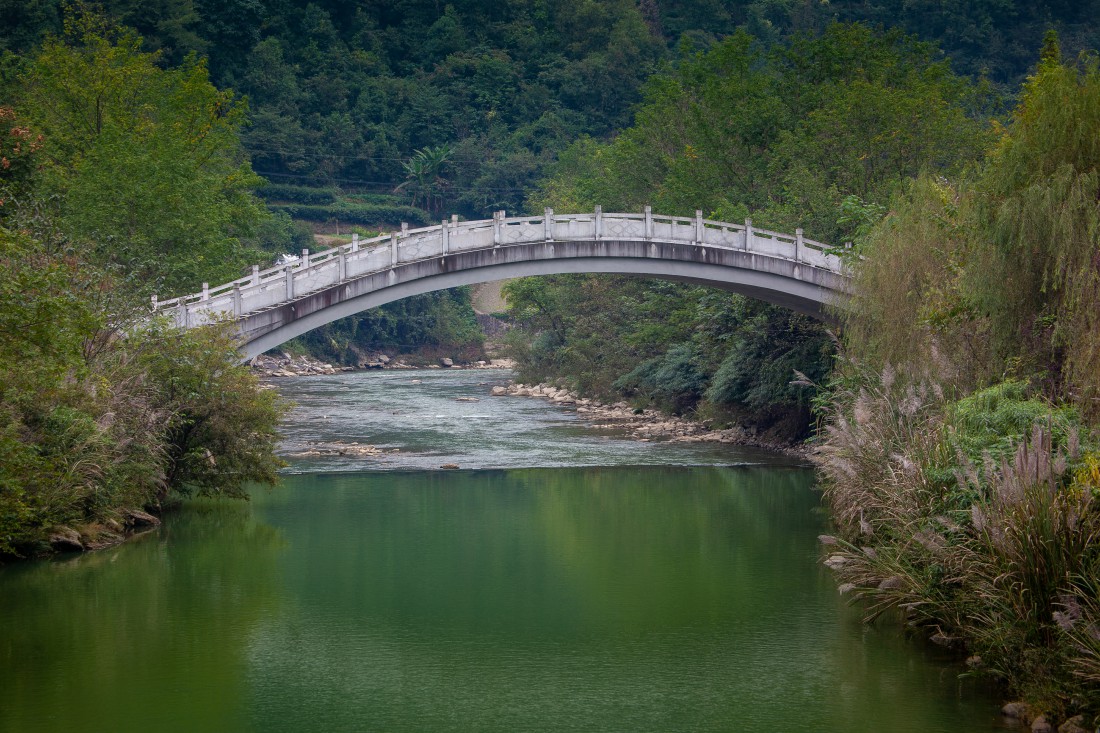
566, 581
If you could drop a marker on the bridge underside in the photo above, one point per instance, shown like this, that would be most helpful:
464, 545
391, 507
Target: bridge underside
797, 286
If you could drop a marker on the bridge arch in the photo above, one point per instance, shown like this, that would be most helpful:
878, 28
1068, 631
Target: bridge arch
275, 305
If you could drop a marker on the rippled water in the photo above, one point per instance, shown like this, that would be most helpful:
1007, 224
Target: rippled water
612, 597
419, 413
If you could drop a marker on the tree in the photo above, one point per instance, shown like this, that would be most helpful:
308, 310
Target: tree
424, 177
145, 164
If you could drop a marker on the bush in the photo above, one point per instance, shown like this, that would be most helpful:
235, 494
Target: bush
282, 192
978, 519
222, 432
674, 380
349, 213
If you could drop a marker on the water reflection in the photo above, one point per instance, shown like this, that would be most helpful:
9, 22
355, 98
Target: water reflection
594, 599
148, 636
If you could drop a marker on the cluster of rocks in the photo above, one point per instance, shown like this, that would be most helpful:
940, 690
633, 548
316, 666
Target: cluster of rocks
99, 535
1041, 723
641, 424
338, 448
286, 365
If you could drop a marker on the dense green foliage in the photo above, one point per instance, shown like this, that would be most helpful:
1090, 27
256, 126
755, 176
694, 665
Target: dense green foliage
818, 134
962, 458
142, 164
439, 324
91, 423
116, 177
348, 94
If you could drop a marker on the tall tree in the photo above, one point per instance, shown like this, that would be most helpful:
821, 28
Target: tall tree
145, 164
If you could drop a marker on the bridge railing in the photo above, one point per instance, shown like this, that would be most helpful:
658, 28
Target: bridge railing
267, 288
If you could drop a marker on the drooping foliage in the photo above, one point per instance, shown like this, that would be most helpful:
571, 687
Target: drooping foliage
960, 454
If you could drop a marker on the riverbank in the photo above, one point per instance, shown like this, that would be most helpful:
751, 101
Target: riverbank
647, 424
297, 365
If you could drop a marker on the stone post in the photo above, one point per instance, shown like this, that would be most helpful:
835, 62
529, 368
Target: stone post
548, 223
206, 291
237, 300
699, 226
648, 222
748, 234
393, 249
305, 258
341, 265
355, 242
184, 316
289, 282
797, 245
445, 236
598, 225
255, 274
498, 225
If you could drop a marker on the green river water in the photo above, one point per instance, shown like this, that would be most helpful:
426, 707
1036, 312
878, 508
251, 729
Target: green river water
606, 585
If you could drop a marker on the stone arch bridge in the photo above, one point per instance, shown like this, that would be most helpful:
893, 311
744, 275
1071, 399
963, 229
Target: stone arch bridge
275, 305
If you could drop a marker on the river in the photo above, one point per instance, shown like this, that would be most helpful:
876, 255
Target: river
562, 579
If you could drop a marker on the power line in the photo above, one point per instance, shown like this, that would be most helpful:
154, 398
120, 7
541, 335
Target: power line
389, 184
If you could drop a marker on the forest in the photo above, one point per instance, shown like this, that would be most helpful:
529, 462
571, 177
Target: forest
952, 411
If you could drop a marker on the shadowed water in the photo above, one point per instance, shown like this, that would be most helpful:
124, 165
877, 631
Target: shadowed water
617, 597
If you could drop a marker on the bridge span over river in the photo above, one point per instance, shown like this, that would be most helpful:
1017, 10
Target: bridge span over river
275, 305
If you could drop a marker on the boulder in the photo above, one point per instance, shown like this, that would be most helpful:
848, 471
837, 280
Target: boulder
65, 539
449, 466
1076, 724
1016, 710
499, 391
103, 540
446, 361
1041, 725
138, 518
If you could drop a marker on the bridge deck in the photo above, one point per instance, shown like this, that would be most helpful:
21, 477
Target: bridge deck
270, 304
